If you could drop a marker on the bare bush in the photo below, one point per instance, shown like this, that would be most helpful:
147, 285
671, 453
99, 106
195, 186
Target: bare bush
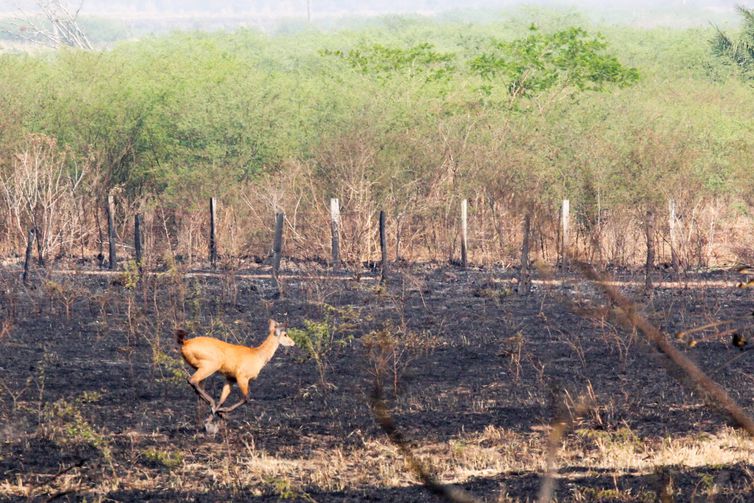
41, 191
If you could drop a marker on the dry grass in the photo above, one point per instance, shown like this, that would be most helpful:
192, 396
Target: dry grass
492, 453
623, 451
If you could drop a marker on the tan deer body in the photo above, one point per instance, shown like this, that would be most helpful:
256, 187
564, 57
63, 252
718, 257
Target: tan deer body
748, 271
239, 364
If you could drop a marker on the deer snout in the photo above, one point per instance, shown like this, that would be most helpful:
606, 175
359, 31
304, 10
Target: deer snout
285, 340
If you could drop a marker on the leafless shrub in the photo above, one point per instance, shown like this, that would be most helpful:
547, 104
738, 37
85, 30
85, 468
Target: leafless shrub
59, 26
229, 281
8, 306
41, 192
63, 291
513, 349
390, 351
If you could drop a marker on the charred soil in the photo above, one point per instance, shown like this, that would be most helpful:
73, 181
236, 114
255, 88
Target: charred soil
94, 401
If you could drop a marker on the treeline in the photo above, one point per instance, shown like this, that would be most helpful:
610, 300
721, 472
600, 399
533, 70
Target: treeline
409, 117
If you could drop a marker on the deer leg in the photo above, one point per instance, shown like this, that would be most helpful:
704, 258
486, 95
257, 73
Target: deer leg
244, 386
203, 394
224, 394
196, 382
226, 410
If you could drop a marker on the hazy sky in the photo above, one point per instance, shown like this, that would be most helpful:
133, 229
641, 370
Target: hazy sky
266, 13
324, 7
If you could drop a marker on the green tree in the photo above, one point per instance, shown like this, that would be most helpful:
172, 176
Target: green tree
568, 59
377, 59
739, 50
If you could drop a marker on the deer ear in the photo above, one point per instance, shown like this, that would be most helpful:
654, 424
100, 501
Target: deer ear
273, 324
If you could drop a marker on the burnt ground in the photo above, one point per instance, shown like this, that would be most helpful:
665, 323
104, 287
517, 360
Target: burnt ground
94, 404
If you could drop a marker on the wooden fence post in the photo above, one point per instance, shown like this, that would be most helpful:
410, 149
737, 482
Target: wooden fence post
212, 235
27, 260
524, 278
673, 239
110, 210
650, 231
138, 241
100, 239
383, 247
565, 220
464, 233
398, 222
335, 229
277, 248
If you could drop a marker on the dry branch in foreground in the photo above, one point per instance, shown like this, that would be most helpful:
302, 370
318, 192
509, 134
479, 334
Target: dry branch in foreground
385, 420
662, 344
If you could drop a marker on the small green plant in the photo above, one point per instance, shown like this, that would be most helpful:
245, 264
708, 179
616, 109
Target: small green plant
171, 368
40, 379
166, 458
195, 297
496, 294
707, 481
130, 279
131, 276
66, 424
321, 338
90, 397
172, 281
221, 330
285, 490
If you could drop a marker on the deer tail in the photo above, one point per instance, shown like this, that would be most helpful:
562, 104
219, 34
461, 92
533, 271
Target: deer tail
180, 336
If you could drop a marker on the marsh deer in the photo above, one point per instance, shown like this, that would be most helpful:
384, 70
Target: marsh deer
748, 271
240, 364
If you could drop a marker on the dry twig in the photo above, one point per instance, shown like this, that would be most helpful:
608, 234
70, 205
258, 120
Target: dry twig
662, 344
385, 420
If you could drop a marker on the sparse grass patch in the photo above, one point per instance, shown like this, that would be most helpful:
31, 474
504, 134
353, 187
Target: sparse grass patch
624, 450
167, 458
284, 489
599, 495
65, 424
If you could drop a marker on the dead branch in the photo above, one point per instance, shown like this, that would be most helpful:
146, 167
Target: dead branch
662, 344
385, 420
63, 29
558, 430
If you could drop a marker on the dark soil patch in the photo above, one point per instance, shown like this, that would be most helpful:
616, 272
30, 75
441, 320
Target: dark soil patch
484, 357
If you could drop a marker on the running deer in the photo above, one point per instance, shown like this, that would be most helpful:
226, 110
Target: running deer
748, 271
240, 364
